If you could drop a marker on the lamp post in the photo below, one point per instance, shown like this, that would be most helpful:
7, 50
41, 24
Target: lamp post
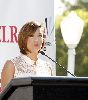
71, 29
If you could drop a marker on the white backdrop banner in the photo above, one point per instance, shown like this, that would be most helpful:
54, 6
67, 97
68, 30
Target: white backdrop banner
13, 15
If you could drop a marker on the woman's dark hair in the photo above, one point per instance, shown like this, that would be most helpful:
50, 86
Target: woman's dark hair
27, 29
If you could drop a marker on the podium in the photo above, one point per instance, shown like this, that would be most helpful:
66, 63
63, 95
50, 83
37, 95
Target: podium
46, 88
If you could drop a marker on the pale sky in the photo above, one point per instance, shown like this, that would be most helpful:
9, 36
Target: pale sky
59, 6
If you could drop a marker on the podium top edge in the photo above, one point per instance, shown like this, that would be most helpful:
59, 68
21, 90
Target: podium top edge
52, 80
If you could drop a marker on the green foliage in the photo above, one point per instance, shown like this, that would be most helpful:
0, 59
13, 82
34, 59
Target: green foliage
60, 48
82, 49
83, 4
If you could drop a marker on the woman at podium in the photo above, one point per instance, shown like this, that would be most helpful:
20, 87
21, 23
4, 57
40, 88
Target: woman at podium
30, 41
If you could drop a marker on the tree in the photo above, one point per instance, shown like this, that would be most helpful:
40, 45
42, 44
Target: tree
82, 48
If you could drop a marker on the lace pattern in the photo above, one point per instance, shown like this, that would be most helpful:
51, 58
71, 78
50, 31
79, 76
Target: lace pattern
25, 67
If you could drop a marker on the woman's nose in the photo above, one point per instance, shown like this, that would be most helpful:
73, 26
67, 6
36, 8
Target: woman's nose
36, 39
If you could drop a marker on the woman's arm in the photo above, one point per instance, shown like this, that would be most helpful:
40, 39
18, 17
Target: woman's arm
7, 73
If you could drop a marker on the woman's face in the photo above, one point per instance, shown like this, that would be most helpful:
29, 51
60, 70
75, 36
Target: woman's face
34, 42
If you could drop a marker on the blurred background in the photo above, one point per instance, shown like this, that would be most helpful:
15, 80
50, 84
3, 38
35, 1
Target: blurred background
62, 9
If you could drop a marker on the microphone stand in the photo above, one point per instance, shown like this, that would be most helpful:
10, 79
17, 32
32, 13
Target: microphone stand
57, 63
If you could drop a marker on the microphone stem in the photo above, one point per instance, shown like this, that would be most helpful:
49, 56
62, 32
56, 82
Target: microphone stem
61, 66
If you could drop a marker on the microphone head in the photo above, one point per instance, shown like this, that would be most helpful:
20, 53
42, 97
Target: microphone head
42, 52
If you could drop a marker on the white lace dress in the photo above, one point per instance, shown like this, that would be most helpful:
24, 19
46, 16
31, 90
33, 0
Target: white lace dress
25, 67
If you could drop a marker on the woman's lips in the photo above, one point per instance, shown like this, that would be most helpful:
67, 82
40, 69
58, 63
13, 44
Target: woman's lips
36, 45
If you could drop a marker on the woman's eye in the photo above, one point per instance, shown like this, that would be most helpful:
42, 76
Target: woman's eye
40, 35
31, 35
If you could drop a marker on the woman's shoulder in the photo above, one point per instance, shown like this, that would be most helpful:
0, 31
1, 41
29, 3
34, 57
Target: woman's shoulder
8, 63
16, 59
8, 67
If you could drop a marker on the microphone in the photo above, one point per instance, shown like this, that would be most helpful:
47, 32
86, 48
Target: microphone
57, 63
